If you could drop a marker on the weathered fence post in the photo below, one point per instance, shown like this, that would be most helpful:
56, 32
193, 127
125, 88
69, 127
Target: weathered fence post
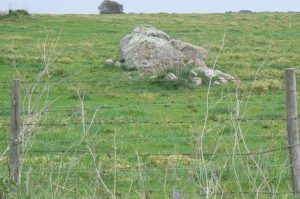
292, 126
15, 134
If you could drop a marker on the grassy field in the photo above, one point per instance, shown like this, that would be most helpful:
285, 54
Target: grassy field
97, 131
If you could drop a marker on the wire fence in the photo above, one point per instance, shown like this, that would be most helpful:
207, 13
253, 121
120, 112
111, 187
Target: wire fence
258, 93
141, 147
123, 81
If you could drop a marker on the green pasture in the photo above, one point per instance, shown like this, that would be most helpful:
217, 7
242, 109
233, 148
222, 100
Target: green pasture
96, 131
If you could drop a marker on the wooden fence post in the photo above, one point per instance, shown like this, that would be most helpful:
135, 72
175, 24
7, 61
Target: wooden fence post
292, 126
15, 134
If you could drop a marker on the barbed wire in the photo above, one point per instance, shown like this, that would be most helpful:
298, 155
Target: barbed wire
174, 92
126, 81
199, 155
59, 141
147, 122
149, 192
150, 122
136, 104
160, 180
162, 168
226, 154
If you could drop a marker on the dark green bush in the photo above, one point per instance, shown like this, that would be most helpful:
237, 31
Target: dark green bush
110, 7
16, 14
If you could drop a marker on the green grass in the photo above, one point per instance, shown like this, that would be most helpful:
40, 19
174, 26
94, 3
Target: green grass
78, 46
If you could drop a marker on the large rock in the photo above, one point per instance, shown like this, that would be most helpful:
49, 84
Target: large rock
150, 50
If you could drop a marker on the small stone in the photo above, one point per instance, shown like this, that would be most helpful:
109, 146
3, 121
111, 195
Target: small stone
153, 77
194, 73
118, 64
223, 80
197, 81
199, 63
176, 195
191, 62
109, 62
171, 77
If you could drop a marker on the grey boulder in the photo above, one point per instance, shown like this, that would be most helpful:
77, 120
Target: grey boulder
150, 50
